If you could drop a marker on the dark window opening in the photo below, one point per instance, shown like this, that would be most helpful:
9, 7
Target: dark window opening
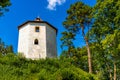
36, 42
36, 29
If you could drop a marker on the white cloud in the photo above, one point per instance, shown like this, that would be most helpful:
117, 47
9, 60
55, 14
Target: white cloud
52, 3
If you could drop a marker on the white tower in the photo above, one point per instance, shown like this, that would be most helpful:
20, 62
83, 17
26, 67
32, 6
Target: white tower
37, 39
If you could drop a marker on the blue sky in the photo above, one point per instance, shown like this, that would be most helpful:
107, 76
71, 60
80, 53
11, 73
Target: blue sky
52, 11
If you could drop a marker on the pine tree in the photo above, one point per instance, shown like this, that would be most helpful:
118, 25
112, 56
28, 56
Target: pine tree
78, 19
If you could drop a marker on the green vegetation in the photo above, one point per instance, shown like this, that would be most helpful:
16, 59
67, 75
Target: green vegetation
14, 67
98, 60
100, 28
79, 18
4, 6
5, 49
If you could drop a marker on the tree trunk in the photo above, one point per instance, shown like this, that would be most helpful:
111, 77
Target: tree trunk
109, 70
89, 56
88, 50
114, 71
110, 76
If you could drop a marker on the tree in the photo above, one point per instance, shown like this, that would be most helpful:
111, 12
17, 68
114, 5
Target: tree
5, 49
79, 17
9, 49
4, 6
106, 23
112, 44
67, 41
2, 46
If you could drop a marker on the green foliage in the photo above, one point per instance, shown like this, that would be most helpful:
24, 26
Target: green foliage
78, 20
79, 16
73, 73
104, 36
4, 6
13, 67
67, 42
5, 49
79, 57
67, 39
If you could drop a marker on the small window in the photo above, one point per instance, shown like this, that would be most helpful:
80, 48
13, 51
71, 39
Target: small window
36, 29
36, 42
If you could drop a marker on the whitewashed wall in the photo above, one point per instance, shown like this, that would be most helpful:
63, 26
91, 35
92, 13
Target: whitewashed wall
23, 40
46, 37
37, 51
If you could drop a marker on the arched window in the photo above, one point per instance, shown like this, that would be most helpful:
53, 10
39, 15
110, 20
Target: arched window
36, 42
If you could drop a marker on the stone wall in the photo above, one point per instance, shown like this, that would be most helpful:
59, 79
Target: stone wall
46, 38
23, 40
51, 42
37, 51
